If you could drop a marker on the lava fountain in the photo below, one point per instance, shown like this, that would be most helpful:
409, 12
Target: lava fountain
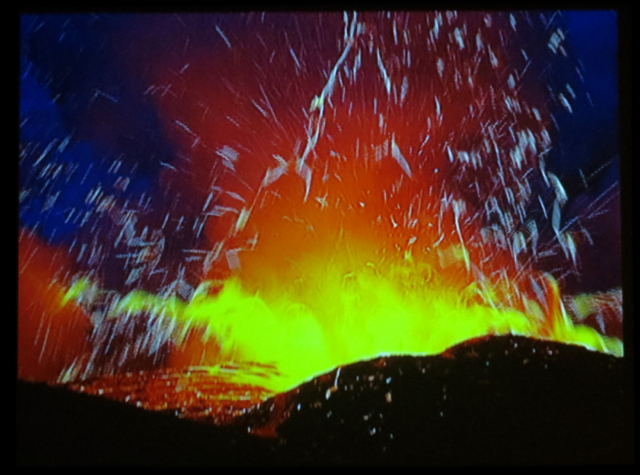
338, 187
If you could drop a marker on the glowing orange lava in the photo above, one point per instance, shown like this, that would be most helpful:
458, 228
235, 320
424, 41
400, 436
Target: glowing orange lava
51, 334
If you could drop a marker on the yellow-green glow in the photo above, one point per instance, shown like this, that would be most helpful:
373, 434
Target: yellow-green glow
336, 318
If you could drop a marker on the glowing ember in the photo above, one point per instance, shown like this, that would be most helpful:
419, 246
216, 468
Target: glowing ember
206, 394
346, 186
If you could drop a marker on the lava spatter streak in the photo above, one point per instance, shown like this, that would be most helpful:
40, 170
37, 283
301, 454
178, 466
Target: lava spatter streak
300, 191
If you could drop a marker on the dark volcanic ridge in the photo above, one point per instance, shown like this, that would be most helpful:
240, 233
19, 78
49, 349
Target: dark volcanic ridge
496, 400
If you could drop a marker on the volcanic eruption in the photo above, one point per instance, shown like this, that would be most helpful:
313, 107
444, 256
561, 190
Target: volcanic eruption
219, 208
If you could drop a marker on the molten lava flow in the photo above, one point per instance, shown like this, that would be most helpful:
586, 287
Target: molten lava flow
379, 194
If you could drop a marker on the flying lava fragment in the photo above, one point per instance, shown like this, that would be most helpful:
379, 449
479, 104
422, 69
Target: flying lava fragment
266, 197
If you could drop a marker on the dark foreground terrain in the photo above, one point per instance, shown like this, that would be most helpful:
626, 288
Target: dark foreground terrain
499, 400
